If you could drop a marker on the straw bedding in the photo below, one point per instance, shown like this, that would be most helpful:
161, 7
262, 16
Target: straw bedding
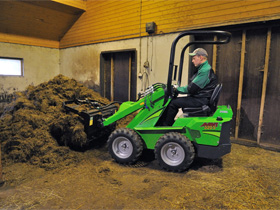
43, 173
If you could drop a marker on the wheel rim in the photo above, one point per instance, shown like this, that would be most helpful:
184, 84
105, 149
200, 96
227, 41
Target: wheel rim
122, 147
172, 154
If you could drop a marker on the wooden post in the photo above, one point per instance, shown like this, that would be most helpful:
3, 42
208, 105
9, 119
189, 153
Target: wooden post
112, 77
265, 75
103, 63
214, 59
241, 75
129, 76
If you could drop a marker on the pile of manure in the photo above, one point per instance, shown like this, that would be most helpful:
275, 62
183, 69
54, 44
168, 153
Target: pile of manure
36, 129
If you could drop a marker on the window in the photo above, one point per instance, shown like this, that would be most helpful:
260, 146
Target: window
11, 66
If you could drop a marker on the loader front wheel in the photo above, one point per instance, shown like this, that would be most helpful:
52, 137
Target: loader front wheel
125, 146
174, 152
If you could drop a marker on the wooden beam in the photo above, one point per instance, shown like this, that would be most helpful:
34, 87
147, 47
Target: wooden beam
17, 39
266, 63
240, 88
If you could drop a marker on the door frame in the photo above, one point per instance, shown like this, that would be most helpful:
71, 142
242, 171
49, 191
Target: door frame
132, 90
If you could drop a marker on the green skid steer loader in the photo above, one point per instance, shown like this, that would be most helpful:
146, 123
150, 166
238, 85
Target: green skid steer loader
201, 131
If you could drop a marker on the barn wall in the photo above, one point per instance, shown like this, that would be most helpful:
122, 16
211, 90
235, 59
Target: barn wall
40, 65
83, 63
114, 20
251, 87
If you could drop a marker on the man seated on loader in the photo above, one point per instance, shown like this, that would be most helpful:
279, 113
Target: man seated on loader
200, 88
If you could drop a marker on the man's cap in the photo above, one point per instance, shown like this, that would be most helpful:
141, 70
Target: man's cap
199, 51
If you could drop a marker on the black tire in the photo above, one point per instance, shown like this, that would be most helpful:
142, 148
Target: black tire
125, 146
174, 152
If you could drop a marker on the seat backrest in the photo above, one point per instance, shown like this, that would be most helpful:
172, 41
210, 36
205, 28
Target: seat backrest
215, 97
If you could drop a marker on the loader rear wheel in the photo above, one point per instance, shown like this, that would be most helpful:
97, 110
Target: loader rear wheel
125, 146
174, 152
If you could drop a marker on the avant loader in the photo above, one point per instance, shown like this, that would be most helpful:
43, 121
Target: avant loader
198, 132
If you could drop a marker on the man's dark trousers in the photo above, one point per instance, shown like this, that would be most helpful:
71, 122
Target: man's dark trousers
181, 102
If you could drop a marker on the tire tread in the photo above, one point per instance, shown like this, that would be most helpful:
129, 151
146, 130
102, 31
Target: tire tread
186, 143
137, 144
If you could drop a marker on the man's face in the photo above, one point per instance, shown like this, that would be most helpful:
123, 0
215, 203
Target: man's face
197, 60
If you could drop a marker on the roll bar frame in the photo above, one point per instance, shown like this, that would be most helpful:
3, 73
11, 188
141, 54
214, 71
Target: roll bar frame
220, 34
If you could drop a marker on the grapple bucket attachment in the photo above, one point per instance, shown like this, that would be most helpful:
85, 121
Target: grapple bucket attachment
93, 113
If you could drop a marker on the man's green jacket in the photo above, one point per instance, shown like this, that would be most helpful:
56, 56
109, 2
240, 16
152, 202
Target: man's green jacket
202, 83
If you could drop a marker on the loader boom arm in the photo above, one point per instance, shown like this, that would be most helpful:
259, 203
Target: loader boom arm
150, 96
125, 109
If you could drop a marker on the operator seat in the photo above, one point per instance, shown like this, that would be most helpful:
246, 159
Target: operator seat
205, 110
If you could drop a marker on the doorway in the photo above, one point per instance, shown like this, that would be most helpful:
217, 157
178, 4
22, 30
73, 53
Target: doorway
118, 75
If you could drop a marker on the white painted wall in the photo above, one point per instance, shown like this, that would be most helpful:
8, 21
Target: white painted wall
40, 65
83, 63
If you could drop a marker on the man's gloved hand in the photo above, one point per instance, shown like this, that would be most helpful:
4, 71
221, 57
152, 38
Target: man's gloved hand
175, 91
